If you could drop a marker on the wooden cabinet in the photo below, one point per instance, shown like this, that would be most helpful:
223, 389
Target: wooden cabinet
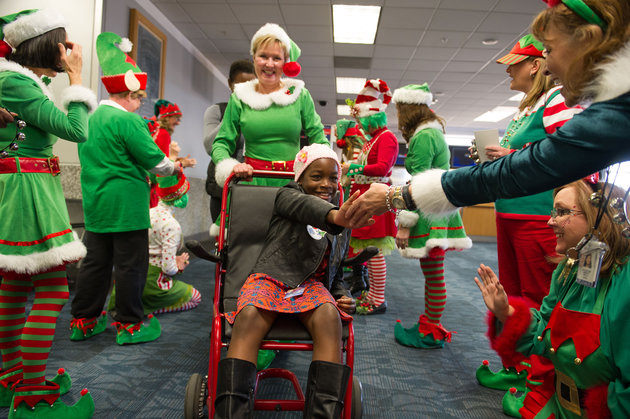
479, 220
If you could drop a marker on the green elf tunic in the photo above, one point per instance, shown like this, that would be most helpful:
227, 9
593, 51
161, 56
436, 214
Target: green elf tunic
36, 233
584, 332
428, 150
116, 189
270, 123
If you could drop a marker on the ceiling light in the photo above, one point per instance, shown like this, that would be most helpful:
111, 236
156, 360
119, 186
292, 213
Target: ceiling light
517, 97
351, 85
490, 41
497, 114
355, 24
343, 110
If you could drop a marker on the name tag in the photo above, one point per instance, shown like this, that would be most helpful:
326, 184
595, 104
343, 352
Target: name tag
295, 292
315, 233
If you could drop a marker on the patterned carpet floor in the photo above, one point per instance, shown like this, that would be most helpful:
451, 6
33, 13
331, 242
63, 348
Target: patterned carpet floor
149, 380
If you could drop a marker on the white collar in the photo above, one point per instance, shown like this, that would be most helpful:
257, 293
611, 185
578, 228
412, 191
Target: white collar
431, 124
6, 65
112, 104
613, 79
246, 92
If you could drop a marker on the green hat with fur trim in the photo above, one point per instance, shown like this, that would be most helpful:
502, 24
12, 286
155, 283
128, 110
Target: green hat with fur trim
291, 67
120, 71
416, 94
27, 24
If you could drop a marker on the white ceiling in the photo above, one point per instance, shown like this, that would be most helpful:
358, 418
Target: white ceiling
433, 41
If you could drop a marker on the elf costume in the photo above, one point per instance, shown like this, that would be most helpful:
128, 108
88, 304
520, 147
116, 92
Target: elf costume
161, 136
374, 164
428, 239
271, 123
162, 292
115, 162
524, 240
584, 332
36, 240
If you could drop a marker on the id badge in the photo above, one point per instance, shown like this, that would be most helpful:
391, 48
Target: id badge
295, 292
590, 262
315, 232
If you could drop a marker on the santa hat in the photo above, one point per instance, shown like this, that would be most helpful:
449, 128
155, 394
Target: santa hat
368, 103
291, 67
27, 24
120, 71
309, 154
526, 47
164, 108
415, 94
173, 190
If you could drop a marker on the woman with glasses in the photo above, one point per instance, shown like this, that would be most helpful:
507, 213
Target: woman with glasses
583, 330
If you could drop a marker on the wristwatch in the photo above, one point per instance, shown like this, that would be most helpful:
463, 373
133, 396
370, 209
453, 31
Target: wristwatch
397, 198
411, 206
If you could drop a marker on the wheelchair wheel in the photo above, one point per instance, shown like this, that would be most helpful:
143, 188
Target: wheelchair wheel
196, 396
357, 398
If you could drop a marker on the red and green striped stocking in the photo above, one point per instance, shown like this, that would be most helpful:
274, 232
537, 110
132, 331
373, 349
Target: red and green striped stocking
14, 290
434, 288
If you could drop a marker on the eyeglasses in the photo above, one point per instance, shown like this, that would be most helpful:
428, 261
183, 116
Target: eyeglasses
563, 212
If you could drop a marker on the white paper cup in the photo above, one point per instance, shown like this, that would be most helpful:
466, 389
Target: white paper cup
485, 138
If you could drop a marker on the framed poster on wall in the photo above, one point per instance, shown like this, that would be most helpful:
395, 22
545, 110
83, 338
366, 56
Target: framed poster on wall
149, 52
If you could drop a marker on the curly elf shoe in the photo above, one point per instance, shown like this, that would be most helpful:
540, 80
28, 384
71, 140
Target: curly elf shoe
85, 328
132, 333
512, 403
7, 379
503, 379
63, 380
423, 334
42, 402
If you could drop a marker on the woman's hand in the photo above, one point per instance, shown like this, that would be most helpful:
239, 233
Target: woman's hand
493, 293
339, 217
173, 150
402, 237
187, 161
494, 152
182, 261
71, 63
6, 117
372, 202
243, 171
347, 304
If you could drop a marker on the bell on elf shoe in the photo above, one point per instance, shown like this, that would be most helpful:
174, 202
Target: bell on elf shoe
512, 402
131, 333
365, 306
85, 328
504, 379
10, 377
423, 334
42, 402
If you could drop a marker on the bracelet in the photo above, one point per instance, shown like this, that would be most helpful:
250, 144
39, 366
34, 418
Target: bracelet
411, 206
388, 200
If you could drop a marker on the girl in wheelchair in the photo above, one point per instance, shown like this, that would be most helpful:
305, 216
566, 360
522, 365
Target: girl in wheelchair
298, 272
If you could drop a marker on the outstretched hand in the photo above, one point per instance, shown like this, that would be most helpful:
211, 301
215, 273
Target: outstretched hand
372, 202
340, 217
493, 293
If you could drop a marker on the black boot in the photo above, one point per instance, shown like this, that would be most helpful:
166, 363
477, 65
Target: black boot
235, 389
359, 280
325, 390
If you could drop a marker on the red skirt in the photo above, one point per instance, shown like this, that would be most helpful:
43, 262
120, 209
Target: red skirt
267, 293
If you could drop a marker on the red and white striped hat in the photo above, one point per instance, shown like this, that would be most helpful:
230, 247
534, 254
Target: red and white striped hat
368, 102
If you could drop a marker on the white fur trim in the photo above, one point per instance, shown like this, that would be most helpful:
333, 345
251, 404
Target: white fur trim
407, 219
430, 124
452, 244
214, 230
29, 26
613, 81
428, 195
125, 45
6, 65
274, 30
223, 170
79, 93
417, 97
365, 108
38, 262
246, 92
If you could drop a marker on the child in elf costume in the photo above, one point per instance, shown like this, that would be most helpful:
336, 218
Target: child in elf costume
418, 237
36, 240
374, 164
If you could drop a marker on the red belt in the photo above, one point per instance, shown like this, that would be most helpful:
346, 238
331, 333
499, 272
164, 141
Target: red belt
30, 165
278, 166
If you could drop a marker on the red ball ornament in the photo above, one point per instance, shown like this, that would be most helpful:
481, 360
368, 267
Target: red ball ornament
5, 49
341, 143
291, 69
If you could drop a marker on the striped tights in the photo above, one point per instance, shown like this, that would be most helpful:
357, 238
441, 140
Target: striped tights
434, 287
